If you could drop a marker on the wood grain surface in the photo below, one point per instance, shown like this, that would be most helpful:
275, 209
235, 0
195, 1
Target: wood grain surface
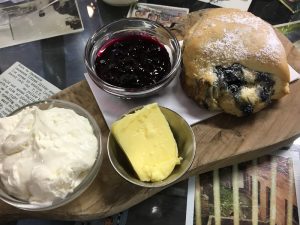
221, 140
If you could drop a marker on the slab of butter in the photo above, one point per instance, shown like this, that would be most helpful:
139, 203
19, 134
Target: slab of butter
147, 140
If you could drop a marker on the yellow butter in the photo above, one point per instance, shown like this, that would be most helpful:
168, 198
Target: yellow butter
147, 140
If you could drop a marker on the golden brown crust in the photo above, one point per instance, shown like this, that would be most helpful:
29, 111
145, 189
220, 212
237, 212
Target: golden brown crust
227, 36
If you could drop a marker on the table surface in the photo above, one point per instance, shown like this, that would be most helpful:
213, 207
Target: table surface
60, 61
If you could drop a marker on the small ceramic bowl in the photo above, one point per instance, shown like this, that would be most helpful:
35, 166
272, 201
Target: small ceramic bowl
124, 28
186, 144
87, 180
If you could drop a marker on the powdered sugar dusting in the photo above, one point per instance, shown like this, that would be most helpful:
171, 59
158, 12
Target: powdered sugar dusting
229, 47
271, 50
238, 18
234, 45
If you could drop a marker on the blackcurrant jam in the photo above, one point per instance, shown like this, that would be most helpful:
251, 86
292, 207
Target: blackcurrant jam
132, 61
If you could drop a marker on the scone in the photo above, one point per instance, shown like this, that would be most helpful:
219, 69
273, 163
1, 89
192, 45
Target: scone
233, 61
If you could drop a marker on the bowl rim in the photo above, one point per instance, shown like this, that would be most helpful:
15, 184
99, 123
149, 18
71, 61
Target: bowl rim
87, 180
158, 184
132, 92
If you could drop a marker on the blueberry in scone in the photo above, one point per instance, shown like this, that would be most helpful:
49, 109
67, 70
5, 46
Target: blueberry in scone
233, 61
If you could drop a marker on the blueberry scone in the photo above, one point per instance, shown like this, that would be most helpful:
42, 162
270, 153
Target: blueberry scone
233, 61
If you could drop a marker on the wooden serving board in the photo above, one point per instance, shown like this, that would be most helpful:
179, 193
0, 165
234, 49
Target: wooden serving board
221, 140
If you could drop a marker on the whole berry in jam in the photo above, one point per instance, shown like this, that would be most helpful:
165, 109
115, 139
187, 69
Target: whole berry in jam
132, 61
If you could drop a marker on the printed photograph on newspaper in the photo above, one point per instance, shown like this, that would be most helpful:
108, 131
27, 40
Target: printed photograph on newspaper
34, 20
261, 192
165, 15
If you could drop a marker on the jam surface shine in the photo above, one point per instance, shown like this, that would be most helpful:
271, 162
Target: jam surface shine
133, 61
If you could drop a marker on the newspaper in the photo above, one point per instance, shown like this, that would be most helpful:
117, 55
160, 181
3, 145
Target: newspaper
261, 191
34, 20
165, 15
236, 4
20, 86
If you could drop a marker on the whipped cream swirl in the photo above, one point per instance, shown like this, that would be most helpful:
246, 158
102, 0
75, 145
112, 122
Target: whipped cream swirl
45, 154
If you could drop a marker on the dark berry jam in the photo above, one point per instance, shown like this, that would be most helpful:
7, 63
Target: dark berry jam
132, 61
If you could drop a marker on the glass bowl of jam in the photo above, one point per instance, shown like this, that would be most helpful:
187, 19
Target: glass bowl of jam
132, 57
